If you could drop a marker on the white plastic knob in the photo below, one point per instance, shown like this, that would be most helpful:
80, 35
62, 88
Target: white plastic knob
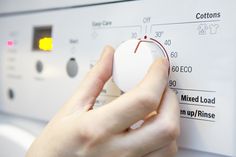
132, 60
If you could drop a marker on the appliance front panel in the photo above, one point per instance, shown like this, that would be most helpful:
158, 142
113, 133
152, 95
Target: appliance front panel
199, 36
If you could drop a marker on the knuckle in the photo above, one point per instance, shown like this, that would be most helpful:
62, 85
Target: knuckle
171, 130
90, 138
85, 134
128, 153
91, 134
172, 149
146, 99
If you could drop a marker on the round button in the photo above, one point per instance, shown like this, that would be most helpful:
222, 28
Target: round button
11, 94
72, 68
39, 66
132, 60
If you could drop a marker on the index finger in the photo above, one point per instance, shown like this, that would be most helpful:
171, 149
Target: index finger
91, 86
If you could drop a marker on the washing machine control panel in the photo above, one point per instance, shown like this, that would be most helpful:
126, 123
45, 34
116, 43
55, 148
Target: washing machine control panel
45, 54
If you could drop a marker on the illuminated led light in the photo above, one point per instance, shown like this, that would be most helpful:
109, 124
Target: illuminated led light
10, 43
45, 44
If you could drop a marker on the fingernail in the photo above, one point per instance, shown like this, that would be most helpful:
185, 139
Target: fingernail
166, 62
107, 48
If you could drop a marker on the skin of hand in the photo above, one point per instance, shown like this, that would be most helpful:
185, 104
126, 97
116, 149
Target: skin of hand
78, 130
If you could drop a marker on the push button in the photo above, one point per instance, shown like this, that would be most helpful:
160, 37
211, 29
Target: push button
72, 68
11, 94
39, 66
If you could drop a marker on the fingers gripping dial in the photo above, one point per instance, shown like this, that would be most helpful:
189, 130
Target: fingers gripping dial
132, 60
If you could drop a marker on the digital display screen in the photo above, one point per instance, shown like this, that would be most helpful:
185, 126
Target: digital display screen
42, 39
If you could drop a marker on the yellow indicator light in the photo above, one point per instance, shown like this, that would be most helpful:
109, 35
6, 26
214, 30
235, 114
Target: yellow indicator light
45, 44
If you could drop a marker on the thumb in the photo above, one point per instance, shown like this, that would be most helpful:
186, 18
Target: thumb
157, 77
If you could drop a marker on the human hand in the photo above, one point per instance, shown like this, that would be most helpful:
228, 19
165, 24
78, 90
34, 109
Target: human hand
79, 131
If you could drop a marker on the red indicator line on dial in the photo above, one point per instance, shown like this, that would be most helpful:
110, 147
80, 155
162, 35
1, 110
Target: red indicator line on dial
166, 54
136, 49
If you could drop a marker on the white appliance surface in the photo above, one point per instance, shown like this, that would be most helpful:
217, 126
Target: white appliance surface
199, 37
11, 6
17, 134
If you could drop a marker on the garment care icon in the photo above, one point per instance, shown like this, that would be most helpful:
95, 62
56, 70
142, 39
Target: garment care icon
202, 29
214, 28
94, 35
